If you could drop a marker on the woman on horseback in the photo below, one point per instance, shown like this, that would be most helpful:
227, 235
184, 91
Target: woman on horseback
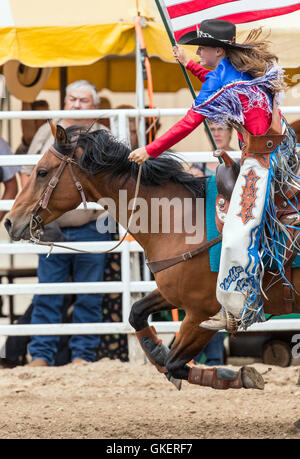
243, 89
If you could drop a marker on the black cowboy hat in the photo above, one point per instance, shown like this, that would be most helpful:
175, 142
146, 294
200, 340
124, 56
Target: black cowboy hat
214, 33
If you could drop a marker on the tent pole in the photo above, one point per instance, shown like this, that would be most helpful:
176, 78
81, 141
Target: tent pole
140, 98
63, 81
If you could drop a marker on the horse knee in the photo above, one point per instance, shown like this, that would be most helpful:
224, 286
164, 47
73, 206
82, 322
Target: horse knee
133, 315
136, 319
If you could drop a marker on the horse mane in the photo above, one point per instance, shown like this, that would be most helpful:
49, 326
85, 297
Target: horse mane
104, 153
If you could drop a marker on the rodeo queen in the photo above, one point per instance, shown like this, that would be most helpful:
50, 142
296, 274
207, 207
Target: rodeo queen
244, 90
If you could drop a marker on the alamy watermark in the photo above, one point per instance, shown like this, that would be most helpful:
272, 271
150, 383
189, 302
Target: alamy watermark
155, 215
296, 347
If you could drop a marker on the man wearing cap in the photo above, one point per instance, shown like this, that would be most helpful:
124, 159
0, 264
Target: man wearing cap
76, 225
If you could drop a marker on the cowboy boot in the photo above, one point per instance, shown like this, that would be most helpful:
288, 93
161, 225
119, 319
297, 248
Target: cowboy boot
223, 320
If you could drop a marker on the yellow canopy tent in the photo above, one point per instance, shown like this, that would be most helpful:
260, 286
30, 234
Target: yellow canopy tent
95, 39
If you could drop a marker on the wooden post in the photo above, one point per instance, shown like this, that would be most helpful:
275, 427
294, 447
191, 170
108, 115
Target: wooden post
63, 82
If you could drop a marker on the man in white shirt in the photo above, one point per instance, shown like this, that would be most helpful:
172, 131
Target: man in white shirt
76, 225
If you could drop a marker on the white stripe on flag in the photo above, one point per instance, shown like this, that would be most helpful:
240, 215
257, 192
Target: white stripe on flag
174, 2
6, 17
166, 15
241, 6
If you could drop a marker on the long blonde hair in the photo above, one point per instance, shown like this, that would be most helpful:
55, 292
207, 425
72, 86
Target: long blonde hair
255, 60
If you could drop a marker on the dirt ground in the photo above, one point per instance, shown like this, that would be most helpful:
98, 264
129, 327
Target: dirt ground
110, 399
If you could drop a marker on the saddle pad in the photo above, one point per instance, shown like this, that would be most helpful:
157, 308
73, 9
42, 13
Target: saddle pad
211, 228
212, 232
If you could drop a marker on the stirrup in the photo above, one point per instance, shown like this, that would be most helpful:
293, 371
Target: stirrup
223, 320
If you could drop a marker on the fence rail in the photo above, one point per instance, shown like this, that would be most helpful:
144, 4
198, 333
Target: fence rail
107, 328
127, 286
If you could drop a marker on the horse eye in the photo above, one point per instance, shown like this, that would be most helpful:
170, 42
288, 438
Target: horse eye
42, 173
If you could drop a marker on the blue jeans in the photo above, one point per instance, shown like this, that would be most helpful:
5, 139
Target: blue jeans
47, 309
213, 351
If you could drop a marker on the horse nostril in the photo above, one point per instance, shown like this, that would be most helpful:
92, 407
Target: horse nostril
8, 225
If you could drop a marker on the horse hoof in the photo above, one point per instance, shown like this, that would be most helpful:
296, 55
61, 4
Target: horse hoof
177, 382
252, 379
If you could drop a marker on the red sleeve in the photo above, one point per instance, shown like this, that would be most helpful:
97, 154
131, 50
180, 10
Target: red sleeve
197, 70
176, 133
257, 120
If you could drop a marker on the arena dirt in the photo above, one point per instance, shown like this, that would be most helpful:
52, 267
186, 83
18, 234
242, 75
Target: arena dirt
110, 399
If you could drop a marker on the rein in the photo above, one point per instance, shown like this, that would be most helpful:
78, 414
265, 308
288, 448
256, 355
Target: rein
36, 221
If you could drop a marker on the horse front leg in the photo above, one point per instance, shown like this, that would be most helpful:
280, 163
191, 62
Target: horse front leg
188, 343
152, 346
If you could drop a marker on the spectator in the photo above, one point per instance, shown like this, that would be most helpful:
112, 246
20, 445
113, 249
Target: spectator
197, 169
40, 105
213, 352
76, 225
133, 132
7, 176
152, 125
105, 105
30, 127
113, 346
222, 136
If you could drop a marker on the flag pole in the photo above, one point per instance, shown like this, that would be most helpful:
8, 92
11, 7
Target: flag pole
173, 43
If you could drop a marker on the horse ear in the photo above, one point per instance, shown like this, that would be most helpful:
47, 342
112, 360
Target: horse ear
61, 135
53, 128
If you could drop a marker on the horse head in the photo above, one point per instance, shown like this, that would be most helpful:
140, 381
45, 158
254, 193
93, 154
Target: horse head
53, 177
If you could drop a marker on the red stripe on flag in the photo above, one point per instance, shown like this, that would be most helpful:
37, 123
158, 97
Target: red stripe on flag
193, 6
240, 18
249, 16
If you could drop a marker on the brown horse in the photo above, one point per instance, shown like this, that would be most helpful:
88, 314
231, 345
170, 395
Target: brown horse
100, 164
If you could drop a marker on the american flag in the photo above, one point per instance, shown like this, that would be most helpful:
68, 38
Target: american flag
184, 15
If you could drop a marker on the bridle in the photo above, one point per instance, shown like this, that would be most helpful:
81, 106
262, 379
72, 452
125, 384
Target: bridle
66, 160
36, 221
